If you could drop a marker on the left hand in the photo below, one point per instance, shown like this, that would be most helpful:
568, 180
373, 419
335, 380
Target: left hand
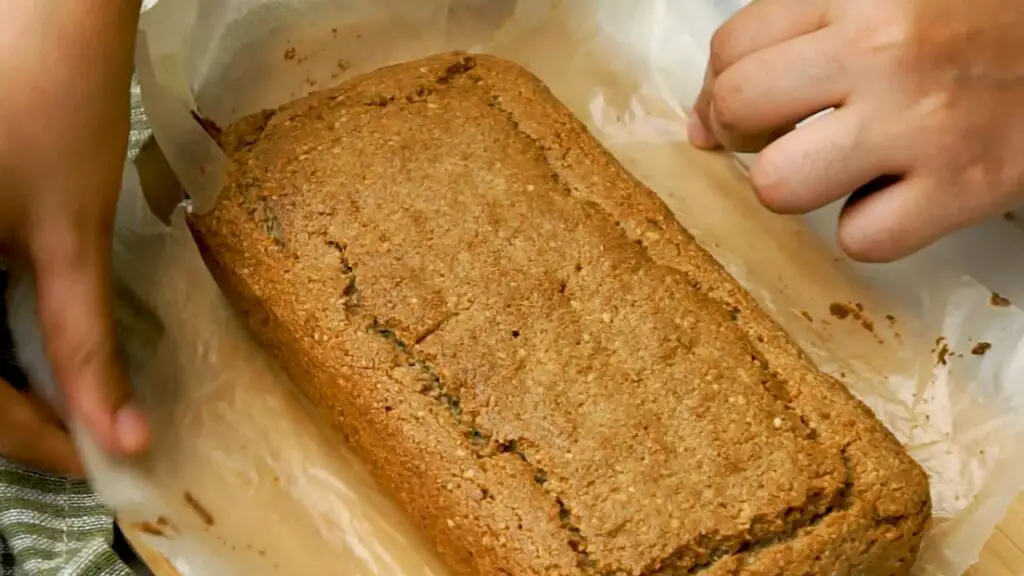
33, 435
64, 123
927, 135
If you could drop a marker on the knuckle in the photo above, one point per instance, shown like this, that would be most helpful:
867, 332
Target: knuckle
768, 181
722, 49
981, 178
893, 46
865, 245
726, 102
724, 99
76, 355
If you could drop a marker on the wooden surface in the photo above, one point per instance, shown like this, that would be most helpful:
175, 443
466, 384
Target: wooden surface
156, 563
1004, 555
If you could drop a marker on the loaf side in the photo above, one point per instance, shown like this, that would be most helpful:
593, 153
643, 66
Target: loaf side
546, 371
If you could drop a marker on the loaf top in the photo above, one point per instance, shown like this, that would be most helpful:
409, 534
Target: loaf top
445, 235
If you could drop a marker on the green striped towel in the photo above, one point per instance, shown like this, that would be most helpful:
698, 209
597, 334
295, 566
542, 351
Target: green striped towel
53, 526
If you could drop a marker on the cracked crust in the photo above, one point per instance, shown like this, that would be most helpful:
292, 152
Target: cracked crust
546, 371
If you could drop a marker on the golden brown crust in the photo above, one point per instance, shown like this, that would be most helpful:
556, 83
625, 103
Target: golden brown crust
534, 357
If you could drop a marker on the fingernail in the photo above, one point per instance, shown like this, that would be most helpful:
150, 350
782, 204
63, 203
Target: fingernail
131, 429
698, 134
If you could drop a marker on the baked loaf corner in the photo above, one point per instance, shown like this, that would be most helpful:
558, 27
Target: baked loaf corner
547, 372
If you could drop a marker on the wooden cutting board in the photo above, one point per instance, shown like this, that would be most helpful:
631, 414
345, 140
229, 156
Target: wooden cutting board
1004, 555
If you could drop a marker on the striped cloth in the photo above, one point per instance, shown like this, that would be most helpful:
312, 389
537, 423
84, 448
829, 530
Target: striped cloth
53, 526
49, 525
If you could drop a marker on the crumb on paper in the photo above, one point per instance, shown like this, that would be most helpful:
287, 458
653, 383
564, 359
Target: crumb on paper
999, 301
200, 510
807, 315
890, 318
166, 524
149, 528
981, 348
840, 311
856, 311
942, 351
289, 54
344, 64
209, 126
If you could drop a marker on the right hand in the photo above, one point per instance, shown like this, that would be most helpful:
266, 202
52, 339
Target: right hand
927, 132
32, 434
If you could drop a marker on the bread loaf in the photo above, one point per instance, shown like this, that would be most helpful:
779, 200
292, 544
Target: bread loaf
541, 366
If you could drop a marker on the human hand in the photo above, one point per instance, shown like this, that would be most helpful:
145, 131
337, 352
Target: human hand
927, 135
64, 123
32, 434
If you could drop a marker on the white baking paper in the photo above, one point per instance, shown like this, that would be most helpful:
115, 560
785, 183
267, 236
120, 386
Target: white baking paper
900, 336
240, 479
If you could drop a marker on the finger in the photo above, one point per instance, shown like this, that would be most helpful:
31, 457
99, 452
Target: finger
696, 131
764, 95
29, 437
762, 24
824, 160
43, 409
757, 26
905, 217
73, 280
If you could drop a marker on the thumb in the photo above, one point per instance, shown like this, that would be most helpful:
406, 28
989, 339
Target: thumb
73, 285
31, 435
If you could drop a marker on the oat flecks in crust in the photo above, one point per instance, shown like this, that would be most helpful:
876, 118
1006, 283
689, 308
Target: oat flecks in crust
548, 373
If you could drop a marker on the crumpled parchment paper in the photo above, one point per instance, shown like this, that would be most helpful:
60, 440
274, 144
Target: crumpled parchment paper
925, 342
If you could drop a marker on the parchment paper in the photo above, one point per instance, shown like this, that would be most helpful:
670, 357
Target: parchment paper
901, 336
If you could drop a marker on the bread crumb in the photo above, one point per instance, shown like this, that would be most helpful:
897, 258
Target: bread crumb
843, 311
807, 315
839, 310
200, 510
942, 354
150, 529
289, 54
981, 348
999, 301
